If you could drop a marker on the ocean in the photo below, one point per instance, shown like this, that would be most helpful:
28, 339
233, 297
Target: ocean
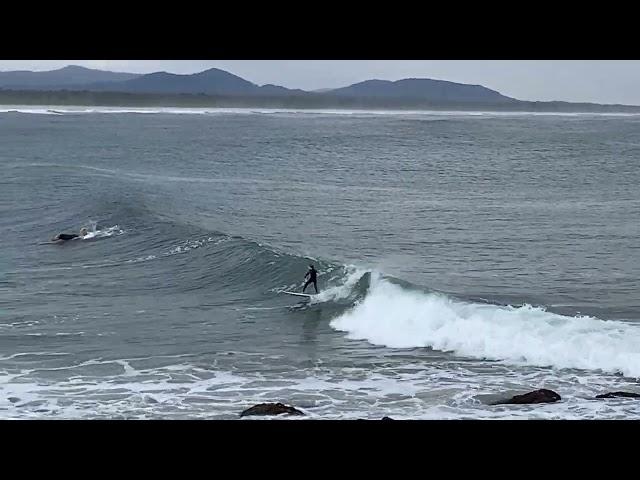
463, 258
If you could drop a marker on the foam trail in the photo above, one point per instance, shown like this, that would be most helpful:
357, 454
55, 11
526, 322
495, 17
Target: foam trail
397, 318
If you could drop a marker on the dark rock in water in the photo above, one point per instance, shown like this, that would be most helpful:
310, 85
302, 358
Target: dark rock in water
537, 396
13, 399
370, 420
619, 395
271, 409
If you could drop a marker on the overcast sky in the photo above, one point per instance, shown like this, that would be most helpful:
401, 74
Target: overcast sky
600, 81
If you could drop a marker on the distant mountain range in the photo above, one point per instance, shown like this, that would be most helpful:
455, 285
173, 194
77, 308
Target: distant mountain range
218, 82
209, 82
422, 88
215, 87
61, 78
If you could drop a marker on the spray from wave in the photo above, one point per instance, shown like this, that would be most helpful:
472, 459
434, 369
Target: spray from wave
398, 318
348, 279
95, 231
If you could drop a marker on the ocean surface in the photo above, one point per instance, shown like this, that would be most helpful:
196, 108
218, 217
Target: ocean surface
463, 258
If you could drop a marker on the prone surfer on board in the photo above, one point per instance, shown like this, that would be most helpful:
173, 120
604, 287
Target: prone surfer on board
312, 274
70, 236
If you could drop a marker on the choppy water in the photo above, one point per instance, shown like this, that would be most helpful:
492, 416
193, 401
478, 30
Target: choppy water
462, 258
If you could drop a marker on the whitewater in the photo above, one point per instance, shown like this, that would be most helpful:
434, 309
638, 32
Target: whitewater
394, 317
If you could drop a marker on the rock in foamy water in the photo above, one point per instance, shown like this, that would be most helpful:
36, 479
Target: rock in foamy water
367, 420
537, 396
619, 395
271, 409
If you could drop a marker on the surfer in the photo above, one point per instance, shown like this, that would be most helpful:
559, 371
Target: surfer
70, 236
311, 274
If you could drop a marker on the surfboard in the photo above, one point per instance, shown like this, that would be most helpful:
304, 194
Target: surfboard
297, 294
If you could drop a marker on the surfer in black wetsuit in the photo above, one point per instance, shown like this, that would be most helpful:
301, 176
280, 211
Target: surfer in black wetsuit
312, 274
70, 236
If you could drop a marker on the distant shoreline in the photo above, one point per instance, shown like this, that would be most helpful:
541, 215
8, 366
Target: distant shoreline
172, 110
316, 102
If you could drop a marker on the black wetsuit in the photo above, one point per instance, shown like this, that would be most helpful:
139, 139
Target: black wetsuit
67, 236
312, 273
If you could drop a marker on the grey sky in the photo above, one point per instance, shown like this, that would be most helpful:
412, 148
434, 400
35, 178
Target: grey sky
601, 81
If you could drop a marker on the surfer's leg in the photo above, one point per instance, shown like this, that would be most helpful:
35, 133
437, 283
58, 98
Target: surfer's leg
306, 285
315, 285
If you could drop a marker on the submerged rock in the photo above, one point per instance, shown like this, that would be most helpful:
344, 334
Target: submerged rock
271, 409
537, 396
619, 395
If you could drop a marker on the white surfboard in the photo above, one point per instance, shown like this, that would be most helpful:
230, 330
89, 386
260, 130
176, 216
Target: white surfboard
296, 294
